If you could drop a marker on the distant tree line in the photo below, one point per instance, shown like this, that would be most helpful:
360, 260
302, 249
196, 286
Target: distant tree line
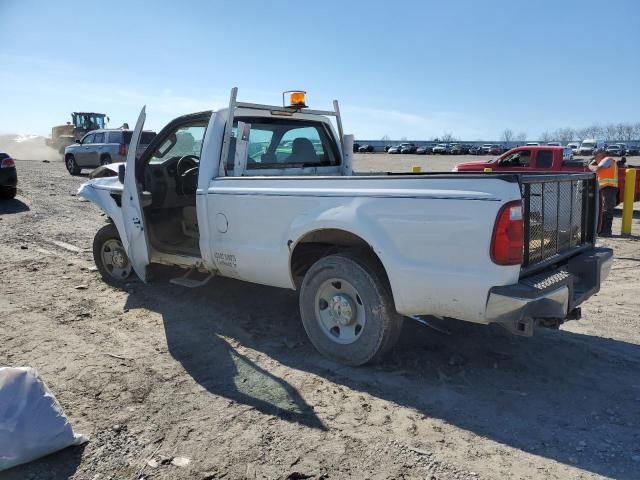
613, 132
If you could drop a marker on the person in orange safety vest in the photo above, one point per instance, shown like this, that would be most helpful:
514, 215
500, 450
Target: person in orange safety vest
606, 169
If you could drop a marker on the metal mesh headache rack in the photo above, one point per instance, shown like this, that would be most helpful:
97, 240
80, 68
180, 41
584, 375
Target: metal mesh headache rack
559, 217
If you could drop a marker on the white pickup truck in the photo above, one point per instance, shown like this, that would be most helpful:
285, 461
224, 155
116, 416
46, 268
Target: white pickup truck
267, 194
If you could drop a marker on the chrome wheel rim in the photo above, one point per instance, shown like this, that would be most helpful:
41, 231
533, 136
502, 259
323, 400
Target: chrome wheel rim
115, 260
340, 311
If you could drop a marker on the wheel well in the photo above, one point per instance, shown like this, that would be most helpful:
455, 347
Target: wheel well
320, 243
105, 155
68, 155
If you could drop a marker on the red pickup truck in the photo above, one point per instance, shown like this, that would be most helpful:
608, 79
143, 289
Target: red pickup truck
542, 159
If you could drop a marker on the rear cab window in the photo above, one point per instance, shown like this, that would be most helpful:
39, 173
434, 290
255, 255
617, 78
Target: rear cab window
544, 159
276, 144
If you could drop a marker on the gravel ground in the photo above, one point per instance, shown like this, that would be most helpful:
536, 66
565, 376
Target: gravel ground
220, 381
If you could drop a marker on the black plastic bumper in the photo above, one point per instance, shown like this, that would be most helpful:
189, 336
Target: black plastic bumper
551, 295
8, 178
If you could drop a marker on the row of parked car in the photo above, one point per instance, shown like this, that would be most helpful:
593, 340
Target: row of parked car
621, 149
438, 149
589, 146
586, 148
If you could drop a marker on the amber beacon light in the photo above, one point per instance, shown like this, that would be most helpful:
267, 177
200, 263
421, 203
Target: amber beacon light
296, 98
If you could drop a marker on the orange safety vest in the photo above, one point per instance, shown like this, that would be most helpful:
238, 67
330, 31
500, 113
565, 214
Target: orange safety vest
608, 176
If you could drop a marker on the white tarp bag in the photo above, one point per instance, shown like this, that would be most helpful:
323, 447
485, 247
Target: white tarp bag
32, 423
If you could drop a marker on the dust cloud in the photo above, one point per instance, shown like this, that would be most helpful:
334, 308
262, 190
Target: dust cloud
28, 147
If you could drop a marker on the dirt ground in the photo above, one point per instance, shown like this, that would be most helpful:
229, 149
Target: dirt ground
221, 382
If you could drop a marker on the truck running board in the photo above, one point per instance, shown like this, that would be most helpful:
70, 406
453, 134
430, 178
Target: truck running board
187, 281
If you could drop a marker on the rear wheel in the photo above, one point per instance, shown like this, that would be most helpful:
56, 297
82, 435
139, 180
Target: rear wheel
72, 166
347, 309
106, 160
110, 256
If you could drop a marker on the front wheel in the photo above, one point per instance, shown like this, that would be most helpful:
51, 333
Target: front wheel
72, 166
110, 256
347, 309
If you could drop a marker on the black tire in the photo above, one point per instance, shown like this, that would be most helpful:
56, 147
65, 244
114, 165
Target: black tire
382, 324
72, 166
108, 233
105, 160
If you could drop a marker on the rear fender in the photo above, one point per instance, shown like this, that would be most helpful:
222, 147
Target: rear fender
346, 218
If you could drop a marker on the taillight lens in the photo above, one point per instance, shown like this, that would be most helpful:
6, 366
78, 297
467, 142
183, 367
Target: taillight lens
508, 235
7, 163
122, 150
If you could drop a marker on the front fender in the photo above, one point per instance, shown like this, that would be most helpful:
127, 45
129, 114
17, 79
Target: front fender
99, 192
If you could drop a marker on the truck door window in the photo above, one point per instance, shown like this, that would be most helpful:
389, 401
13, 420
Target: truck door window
544, 159
88, 139
520, 158
98, 138
185, 140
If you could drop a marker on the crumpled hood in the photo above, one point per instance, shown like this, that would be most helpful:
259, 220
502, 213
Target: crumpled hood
110, 183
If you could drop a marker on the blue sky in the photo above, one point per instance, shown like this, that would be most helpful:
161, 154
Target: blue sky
404, 69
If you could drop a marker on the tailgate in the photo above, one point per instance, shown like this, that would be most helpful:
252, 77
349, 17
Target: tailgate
559, 217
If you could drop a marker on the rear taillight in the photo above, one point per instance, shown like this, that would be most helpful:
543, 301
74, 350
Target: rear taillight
7, 163
508, 235
122, 150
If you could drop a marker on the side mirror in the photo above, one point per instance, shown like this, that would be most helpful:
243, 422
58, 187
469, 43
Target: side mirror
121, 171
77, 141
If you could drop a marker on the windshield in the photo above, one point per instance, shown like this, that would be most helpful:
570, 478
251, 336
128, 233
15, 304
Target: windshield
88, 121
